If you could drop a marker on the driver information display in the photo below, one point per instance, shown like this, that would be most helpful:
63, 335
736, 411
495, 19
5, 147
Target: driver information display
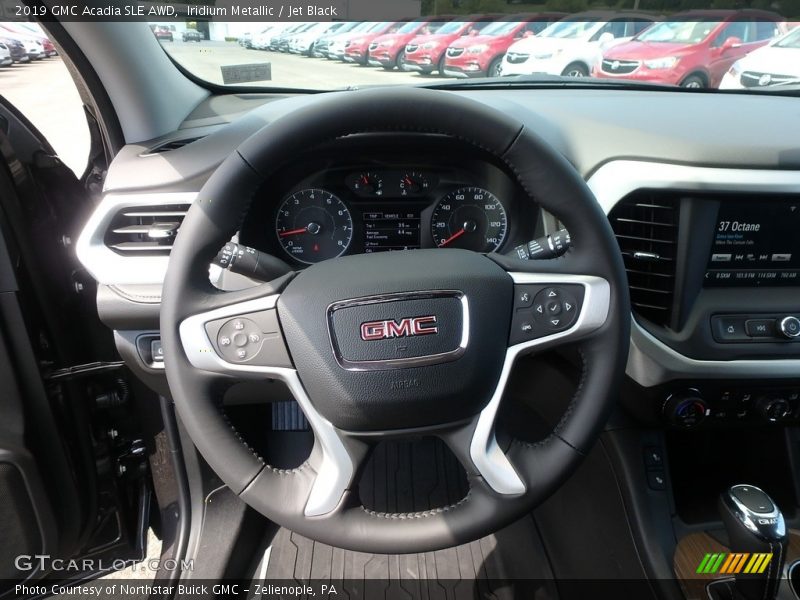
389, 230
755, 243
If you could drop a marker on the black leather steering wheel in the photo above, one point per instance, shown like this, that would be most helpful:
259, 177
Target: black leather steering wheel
397, 343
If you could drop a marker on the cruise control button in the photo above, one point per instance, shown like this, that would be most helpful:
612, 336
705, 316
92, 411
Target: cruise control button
238, 325
240, 339
224, 341
254, 338
241, 353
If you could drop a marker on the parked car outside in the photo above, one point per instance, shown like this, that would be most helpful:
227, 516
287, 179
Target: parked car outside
355, 48
16, 49
693, 50
32, 31
280, 43
163, 34
389, 50
246, 39
192, 35
323, 43
426, 53
775, 64
573, 46
34, 49
5, 56
263, 39
482, 55
305, 41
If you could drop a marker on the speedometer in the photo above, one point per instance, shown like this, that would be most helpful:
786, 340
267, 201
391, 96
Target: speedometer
314, 225
470, 218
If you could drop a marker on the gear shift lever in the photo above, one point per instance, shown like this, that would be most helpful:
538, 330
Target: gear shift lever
755, 525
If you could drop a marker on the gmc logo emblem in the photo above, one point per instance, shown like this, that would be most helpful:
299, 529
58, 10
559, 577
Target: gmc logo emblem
384, 330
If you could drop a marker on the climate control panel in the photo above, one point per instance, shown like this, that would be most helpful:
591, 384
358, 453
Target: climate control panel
719, 404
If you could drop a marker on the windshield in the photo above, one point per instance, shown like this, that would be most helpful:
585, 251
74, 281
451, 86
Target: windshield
568, 29
298, 56
790, 41
451, 27
499, 28
679, 32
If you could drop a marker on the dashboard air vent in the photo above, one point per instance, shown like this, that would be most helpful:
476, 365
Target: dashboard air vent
171, 145
145, 230
646, 227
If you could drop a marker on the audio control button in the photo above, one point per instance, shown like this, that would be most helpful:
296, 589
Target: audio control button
789, 327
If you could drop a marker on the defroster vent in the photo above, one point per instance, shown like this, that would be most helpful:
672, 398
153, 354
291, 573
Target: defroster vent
646, 227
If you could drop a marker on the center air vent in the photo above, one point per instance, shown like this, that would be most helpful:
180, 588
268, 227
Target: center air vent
646, 227
145, 230
171, 145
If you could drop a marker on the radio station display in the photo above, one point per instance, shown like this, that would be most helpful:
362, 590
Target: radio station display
386, 230
755, 244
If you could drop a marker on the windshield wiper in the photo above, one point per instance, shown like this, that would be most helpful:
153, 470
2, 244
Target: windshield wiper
549, 81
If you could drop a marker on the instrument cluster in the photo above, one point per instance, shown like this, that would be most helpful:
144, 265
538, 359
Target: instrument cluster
381, 207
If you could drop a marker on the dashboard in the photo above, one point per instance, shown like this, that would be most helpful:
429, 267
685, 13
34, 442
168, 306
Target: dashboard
717, 270
408, 197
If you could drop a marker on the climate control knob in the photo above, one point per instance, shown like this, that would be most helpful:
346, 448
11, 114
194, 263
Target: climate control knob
773, 409
789, 327
685, 409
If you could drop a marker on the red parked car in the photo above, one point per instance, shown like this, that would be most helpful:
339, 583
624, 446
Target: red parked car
482, 55
693, 50
356, 49
389, 50
426, 53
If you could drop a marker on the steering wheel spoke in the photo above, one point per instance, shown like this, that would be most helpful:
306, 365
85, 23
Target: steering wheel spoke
239, 337
550, 309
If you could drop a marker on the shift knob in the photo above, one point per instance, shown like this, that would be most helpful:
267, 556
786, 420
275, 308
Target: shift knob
755, 527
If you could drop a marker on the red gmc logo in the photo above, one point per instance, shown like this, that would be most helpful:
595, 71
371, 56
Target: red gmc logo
384, 330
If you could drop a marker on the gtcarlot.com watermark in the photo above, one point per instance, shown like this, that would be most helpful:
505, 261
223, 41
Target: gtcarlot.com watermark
44, 562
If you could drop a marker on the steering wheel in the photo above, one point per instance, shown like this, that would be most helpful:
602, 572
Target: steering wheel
420, 342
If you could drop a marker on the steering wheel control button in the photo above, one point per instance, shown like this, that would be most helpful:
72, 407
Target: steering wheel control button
254, 339
553, 309
523, 299
790, 327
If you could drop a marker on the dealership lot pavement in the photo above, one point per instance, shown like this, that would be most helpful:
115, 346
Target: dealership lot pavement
204, 59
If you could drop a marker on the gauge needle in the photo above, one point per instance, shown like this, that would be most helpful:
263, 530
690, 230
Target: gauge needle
293, 231
455, 236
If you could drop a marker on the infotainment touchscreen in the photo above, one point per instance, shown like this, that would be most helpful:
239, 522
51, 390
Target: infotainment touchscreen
755, 243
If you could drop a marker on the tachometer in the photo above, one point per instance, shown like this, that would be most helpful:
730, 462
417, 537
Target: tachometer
470, 218
314, 225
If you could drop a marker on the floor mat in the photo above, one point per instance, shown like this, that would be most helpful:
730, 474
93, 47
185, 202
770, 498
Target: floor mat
399, 476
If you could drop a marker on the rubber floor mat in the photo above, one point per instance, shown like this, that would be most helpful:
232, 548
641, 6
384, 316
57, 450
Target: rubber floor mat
508, 564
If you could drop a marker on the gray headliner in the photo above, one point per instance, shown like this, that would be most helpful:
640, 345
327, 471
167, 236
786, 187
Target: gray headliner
590, 127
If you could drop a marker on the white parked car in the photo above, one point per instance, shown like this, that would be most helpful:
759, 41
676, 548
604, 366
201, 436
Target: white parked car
303, 42
774, 64
573, 45
5, 56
